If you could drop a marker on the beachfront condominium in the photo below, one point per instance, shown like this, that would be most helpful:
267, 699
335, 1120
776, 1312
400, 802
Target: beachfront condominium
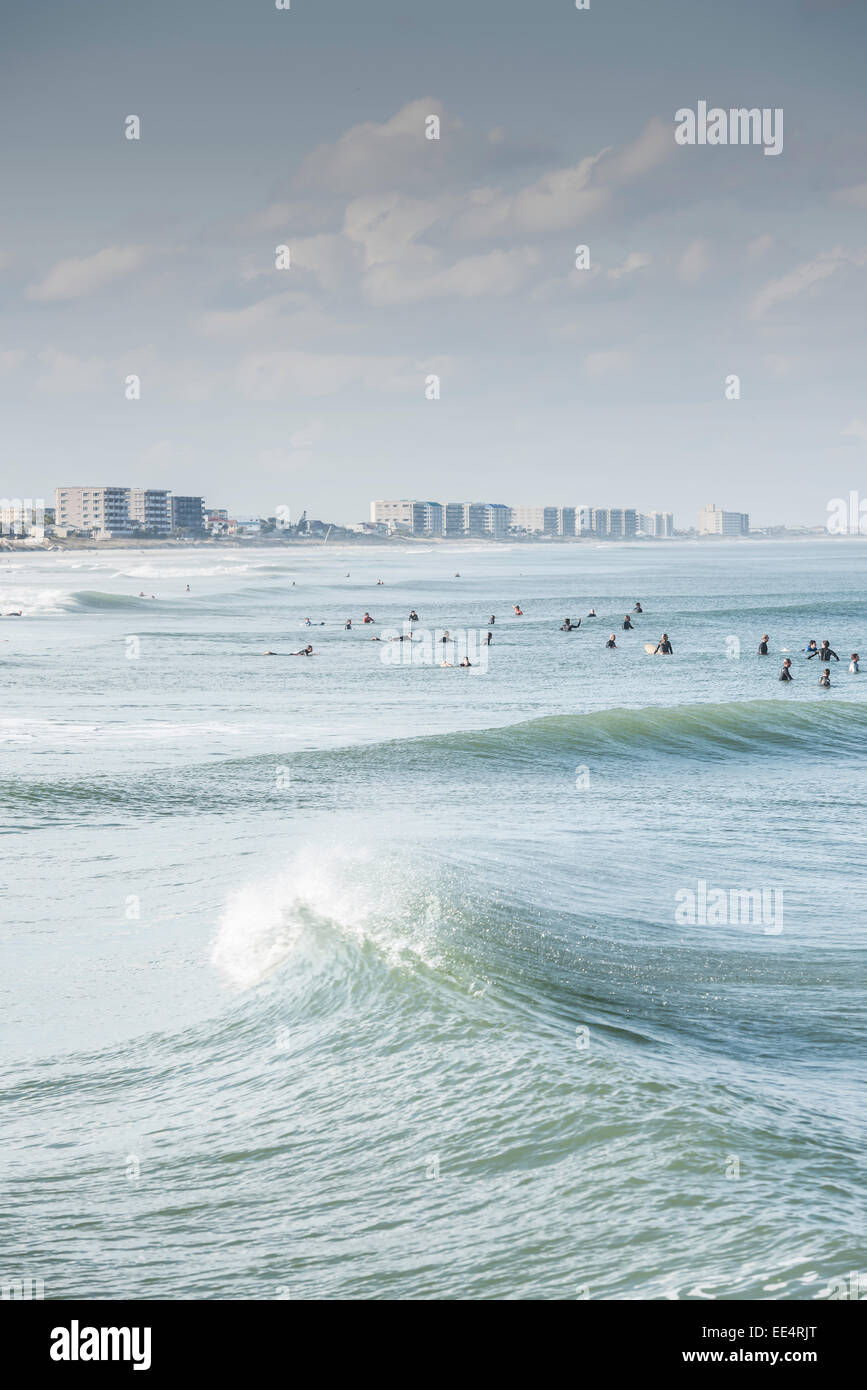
480, 519
150, 509
103, 509
394, 515
658, 524
428, 518
188, 513
713, 521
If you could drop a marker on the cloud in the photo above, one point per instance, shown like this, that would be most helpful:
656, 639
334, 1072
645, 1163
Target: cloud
693, 263
855, 195
565, 197
856, 429
274, 375
64, 372
414, 279
600, 363
804, 276
379, 155
636, 260
760, 245
74, 278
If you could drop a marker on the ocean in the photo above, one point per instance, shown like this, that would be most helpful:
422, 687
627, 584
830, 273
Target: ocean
359, 977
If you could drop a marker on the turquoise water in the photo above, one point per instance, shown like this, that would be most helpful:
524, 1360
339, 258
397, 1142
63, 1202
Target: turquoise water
345, 979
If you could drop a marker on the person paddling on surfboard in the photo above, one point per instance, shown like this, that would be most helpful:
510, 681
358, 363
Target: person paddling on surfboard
664, 647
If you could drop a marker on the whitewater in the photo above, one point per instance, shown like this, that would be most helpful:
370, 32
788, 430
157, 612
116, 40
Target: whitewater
340, 978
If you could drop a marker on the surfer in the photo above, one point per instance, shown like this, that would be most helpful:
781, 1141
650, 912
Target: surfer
592, 613
489, 639
627, 624
854, 668
663, 646
466, 662
518, 610
786, 673
569, 626
811, 647
492, 619
188, 588
367, 619
612, 642
763, 646
824, 651
305, 651
413, 617
348, 624
638, 608
825, 678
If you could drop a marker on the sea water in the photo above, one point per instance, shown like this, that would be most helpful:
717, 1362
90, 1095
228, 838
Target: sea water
342, 978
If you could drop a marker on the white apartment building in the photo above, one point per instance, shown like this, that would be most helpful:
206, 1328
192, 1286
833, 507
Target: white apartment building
713, 521
392, 513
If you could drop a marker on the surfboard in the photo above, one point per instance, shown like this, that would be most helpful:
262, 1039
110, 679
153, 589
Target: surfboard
650, 647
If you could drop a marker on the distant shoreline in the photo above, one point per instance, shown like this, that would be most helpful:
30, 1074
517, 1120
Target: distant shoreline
10, 546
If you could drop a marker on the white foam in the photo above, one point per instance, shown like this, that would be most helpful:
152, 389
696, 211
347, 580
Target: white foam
353, 896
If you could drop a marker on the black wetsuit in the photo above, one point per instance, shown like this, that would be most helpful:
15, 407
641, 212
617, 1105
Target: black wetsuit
611, 643
665, 648
825, 653
763, 649
825, 681
785, 674
626, 625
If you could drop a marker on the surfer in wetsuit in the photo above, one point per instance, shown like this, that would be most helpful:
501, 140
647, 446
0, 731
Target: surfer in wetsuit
367, 619
568, 625
664, 647
612, 642
825, 678
824, 652
627, 624
763, 646
811, 648
348, 624
492, 619
786, 673
638, 608
854, 668
305, 651
518, 610
413, 617
592, 613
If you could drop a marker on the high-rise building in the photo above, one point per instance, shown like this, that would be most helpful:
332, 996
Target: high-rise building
713, 521
659, 524
150, 509
529, 519
393, 514
187, 513
428, 518
101, 509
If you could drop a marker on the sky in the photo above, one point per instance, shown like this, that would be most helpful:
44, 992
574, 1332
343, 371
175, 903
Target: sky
308, 387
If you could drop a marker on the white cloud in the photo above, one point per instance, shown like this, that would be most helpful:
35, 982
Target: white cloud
856, 429
694, 262
760, 245
803, 277
636, 260
420, 277
274, 375
74, 278
855, 195
600, 363
379, 155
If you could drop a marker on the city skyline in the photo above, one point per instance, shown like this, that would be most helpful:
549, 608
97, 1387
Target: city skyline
711, 329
